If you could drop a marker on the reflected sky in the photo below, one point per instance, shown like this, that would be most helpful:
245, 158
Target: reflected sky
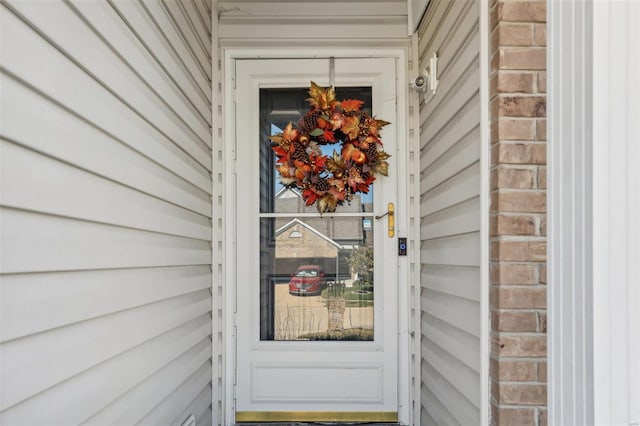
326, 150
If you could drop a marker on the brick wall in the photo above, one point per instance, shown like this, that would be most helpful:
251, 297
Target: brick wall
518, 206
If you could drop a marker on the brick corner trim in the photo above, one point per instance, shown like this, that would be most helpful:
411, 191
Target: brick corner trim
518, 222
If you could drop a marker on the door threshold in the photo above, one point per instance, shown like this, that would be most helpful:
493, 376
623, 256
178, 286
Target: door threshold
274, 418
316, 423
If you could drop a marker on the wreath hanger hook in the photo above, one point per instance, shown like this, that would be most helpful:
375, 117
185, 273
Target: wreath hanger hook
332, 71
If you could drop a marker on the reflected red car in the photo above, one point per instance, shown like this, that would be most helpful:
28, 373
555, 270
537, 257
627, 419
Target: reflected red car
308, 280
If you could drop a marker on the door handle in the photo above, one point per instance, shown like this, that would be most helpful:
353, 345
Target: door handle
391, 221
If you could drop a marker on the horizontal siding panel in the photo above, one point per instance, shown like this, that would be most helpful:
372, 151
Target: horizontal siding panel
132, 406
35, 303
195, 23
106, 21
189, 33
193, 84
105, 156
440, 22
458, 219
427, 399
455, 42
204, 34
197, 66
451, 103
445, 403
463, 378
461, 250
55, 75
74, 348
188, 391
460, 313
462, 155
447, 84
31, 181
203, 12
459, 344
198, 406
206, 419
436, 410
459, 188
436, 144
74, 400
453, 280
34, 242
63, 27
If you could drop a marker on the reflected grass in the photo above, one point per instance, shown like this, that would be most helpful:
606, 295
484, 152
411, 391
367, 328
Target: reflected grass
350, 334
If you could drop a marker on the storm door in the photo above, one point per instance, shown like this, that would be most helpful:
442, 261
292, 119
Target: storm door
316, 294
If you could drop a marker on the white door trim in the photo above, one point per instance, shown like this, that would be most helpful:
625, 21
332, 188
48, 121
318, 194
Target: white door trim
402, 220
485, 166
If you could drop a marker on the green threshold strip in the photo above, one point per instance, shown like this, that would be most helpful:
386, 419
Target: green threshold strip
317, 416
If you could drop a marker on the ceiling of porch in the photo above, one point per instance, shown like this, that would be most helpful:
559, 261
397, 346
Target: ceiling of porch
313, 19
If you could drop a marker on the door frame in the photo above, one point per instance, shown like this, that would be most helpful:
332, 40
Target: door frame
405, 322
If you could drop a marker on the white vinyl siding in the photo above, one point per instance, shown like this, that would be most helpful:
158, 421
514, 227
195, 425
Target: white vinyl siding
450, 209
105, 212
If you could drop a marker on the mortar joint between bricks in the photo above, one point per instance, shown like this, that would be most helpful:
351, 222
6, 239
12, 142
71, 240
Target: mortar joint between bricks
512, 190
521, 334
516, 166
520, 238
537, 360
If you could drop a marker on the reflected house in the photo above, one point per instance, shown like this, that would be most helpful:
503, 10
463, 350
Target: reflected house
298, 243
325, 241
344, 230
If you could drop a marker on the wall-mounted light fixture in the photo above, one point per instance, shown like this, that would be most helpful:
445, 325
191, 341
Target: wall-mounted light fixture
428, 80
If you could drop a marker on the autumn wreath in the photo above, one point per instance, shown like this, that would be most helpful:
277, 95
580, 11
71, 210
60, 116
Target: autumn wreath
330, 181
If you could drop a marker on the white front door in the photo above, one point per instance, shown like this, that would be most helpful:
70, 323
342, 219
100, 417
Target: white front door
316, 301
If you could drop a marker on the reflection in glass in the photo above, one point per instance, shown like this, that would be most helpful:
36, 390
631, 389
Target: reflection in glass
316, 276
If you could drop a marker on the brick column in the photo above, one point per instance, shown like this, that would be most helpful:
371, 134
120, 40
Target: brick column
518, 206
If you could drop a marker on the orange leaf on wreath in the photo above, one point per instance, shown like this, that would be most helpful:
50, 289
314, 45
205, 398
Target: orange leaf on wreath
351, 105
347, 150
277, 138
362, 187
309, 196
351, 127
323, 124
382, 167
289, 133
320, 161
329, 136
280, 152
375, 125
321, 97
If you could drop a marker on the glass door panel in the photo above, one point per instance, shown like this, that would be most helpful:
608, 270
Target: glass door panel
317, 281
316, 272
